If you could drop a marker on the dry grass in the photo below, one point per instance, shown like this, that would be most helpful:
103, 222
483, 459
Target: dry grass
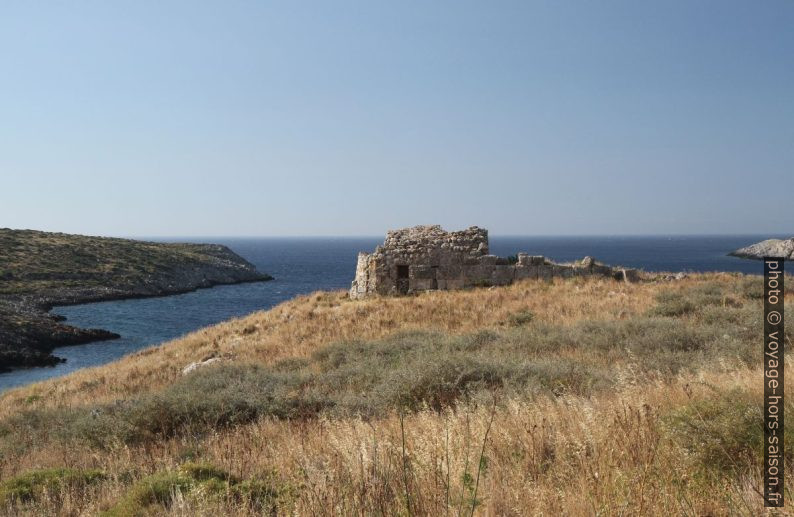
623, 449
299, 327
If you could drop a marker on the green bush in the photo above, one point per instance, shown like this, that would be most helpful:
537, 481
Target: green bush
261, 494
157, 489
29, 486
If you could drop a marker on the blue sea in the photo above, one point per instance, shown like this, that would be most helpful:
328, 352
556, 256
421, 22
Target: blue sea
303, 265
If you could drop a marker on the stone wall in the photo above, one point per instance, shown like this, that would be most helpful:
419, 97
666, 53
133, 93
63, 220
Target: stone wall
426, 258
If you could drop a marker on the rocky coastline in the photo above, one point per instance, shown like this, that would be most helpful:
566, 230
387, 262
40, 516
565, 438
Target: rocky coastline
40, 270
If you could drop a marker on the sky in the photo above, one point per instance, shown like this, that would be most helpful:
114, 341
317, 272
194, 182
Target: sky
236, 118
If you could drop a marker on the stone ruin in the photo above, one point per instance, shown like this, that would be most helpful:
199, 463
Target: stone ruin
427, 257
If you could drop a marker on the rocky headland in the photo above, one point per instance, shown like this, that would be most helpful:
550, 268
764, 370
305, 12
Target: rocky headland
39, 270
780, 248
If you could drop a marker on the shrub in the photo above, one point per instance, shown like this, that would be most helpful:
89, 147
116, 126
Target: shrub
562, 376
157, 489
679, 303
671, 304
31, 485
264, 494
216, 397
751, 287
205, 472
520, 318
723, 433
440, 384
261, 494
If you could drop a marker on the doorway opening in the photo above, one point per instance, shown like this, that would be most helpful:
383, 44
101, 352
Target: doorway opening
402, 279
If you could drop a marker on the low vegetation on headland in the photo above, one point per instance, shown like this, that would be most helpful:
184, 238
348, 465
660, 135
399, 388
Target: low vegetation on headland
571, 397
40, 269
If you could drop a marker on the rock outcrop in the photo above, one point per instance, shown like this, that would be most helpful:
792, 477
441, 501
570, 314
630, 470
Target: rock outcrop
779, 248
427, 257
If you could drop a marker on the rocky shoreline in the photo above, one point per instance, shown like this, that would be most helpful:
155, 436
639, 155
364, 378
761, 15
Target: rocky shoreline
29, 333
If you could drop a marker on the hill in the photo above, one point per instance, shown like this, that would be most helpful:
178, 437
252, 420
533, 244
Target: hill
575, 397
39, 270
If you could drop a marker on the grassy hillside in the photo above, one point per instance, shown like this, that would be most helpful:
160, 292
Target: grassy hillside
575, 397
40, 269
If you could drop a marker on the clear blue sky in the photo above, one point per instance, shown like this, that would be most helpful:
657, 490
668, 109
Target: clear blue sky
350, 118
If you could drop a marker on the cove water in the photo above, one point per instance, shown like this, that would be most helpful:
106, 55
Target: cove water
303, 265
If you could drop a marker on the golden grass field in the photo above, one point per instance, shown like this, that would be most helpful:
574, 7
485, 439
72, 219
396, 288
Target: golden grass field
629, 399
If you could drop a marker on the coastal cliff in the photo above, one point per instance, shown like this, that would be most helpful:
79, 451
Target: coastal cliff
39, 270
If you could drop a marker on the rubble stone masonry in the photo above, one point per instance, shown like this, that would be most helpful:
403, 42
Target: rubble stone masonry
427, 257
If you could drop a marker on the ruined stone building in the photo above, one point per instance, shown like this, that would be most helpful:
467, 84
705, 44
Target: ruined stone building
427, 257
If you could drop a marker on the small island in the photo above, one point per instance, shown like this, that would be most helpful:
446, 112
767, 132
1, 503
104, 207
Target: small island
39, 270
780, 248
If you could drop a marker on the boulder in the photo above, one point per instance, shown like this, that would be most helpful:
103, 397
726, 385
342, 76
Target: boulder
199, 364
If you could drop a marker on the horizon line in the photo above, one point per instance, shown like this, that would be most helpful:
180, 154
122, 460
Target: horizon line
771, 235
373, 236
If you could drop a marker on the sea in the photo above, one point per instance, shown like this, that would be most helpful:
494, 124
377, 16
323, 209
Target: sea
304, 265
